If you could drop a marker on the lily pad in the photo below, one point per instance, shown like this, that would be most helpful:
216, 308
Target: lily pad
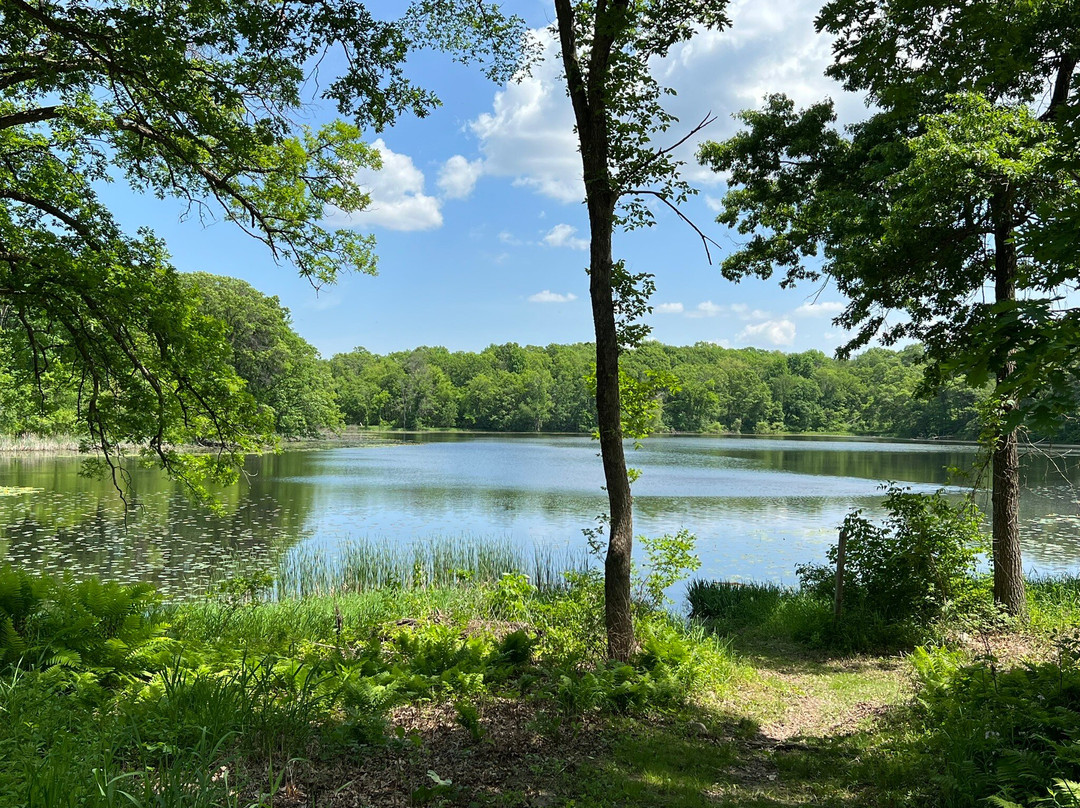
17, 491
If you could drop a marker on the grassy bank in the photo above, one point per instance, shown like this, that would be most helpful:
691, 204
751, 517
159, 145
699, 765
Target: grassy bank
487, 690
476, 693
39, 444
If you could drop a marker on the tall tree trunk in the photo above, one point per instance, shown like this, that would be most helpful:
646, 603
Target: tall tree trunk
617, 613
588, 94
1008, 568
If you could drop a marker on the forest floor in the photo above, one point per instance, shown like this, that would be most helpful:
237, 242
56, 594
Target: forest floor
798, 729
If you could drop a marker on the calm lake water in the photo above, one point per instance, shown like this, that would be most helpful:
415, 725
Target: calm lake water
759, 506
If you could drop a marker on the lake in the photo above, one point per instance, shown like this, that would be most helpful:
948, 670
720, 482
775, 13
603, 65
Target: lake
759, 506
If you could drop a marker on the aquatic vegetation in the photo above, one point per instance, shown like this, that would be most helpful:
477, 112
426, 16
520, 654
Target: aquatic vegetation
362, 565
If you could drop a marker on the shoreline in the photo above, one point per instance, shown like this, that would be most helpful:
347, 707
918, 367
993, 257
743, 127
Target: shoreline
351, 437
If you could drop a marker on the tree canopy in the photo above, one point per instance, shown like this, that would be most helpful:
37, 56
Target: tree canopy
281, 369
197, 101
931, 206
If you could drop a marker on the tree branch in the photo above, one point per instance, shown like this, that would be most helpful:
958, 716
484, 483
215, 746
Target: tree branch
71, 221
29, 116
1062, 85
705, 240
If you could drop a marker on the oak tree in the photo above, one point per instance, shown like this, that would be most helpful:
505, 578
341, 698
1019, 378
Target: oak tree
924, 208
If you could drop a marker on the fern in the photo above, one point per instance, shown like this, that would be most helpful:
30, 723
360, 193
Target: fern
12, 645
88, 625
64, 658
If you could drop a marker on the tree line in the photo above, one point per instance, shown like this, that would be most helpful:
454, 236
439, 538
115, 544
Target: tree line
710, 389
515, 388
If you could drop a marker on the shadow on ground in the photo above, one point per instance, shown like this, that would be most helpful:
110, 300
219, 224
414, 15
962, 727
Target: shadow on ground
779, 741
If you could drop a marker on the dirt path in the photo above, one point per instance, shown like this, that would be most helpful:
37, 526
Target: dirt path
805, 726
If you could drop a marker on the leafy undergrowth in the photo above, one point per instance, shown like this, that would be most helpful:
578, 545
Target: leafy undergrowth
498, 695
405, 697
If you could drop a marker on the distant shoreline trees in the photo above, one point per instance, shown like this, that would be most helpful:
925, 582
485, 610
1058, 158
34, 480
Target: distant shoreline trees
513, 388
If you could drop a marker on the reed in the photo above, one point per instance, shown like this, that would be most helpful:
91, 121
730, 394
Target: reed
364, 565
43, 444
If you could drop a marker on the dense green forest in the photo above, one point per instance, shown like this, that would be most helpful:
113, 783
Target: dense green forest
515, 388
518, 388
282, 371
715, 389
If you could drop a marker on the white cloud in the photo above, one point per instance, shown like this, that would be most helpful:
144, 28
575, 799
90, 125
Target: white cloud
547, 296
826, 308
668, 308
458, 177
739, 310
709, 309
506, 237
778, 332
528, 135
562, 235
713, 203
398, 201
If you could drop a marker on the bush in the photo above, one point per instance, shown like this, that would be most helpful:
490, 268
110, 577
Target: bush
907, 569
1001, 737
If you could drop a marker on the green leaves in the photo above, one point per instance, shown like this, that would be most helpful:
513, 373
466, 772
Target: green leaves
955, 190
281, 370
195, 100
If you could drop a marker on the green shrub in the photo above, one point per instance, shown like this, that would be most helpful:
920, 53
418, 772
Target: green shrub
1000, 735
908, 568
670, 558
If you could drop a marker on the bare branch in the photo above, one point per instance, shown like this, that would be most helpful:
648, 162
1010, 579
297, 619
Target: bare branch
705, 240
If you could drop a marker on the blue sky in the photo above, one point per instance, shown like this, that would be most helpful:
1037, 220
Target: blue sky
479, 222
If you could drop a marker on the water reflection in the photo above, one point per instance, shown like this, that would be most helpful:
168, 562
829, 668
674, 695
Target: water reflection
759, 506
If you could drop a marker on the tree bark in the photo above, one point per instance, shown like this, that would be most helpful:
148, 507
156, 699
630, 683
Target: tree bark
617, 612
1008, 567
588, 94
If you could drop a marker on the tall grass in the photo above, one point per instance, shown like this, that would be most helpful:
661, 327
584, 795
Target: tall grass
45, 444
759, 610
1054, 603
281, 623
363, 565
